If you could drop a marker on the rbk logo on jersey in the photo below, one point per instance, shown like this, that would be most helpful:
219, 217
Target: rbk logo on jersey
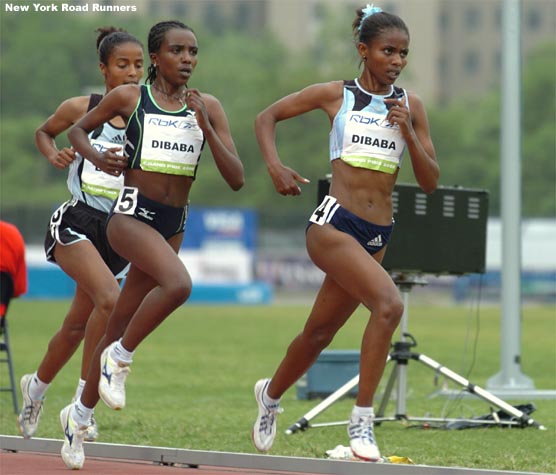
179, 124
372, 121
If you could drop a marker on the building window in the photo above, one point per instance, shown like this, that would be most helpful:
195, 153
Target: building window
442, 66
498, 18
497, 61
180, 9
319, 12
444, 21
534, 19
471, 62
242, 16
213, 18
472, 19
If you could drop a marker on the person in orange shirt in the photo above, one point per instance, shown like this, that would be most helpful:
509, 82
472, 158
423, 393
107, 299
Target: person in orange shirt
13, 270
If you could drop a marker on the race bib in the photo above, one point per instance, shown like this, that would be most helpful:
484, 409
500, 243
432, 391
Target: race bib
127, 201
95, 181
324, 212
171, 145
371, 142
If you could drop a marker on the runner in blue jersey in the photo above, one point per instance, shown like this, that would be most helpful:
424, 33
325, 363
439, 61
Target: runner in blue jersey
372, 123
76, 236
168, 124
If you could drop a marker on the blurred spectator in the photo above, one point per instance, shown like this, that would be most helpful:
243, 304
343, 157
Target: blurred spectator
13, 271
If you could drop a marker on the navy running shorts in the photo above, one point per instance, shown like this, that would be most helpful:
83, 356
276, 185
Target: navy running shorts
167, 220
373, 237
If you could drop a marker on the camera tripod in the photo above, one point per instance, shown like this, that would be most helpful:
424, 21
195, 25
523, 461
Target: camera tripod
401, 355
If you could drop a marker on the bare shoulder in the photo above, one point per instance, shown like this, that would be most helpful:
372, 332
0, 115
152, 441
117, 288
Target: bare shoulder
209, 99
212, 103
73, 108
126, 92
122, 99
334, 87
326, 90
415, 100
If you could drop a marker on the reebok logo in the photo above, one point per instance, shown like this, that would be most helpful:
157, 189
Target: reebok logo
376, 242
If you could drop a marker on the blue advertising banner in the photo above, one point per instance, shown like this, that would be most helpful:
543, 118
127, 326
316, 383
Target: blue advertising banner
232, 227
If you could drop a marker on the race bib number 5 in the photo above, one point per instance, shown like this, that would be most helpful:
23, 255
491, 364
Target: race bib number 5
127, 201
324, 212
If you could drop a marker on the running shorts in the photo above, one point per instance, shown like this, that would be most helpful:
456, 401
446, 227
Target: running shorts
76, 221
167, 220
373, 237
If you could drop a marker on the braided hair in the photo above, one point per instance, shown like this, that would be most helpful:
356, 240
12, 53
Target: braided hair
156, 37
109, 37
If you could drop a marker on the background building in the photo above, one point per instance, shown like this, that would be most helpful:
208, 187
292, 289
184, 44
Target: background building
442, 64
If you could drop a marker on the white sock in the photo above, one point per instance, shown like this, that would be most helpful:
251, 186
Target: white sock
79, 390
37, 388
82, 414
120, 354
362, 411
268, 401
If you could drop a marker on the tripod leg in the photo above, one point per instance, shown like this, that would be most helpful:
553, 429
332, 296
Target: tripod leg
401, 390
477, 390
387, 392
303, 422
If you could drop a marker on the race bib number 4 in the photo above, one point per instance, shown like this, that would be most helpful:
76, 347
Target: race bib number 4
324, 212
127, 201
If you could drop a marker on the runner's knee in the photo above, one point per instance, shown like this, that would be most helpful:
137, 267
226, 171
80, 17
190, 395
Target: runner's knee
389, 312
319, 338
178, 291
105, 301
72, 333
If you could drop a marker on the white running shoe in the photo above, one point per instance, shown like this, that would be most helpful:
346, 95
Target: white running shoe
111, 386
91, 434
74, 434
28, 418
264, 429
362, 439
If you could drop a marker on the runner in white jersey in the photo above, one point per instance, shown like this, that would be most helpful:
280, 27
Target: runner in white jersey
76, 237
372, 123
167, 125
88, 183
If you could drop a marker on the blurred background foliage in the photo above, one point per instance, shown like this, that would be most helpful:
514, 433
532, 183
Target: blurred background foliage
48, 58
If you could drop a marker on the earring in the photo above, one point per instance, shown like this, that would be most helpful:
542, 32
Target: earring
364, 58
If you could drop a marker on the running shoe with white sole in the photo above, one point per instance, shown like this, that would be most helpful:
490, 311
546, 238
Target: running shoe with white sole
362, 439
264, 430
72, 452
28, 418
111, 386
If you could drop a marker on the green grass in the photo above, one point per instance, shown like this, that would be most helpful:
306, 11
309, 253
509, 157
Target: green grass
192, 381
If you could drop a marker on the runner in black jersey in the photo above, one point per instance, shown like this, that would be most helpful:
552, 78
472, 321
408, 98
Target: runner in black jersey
76, 237
372, 123
167, 126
